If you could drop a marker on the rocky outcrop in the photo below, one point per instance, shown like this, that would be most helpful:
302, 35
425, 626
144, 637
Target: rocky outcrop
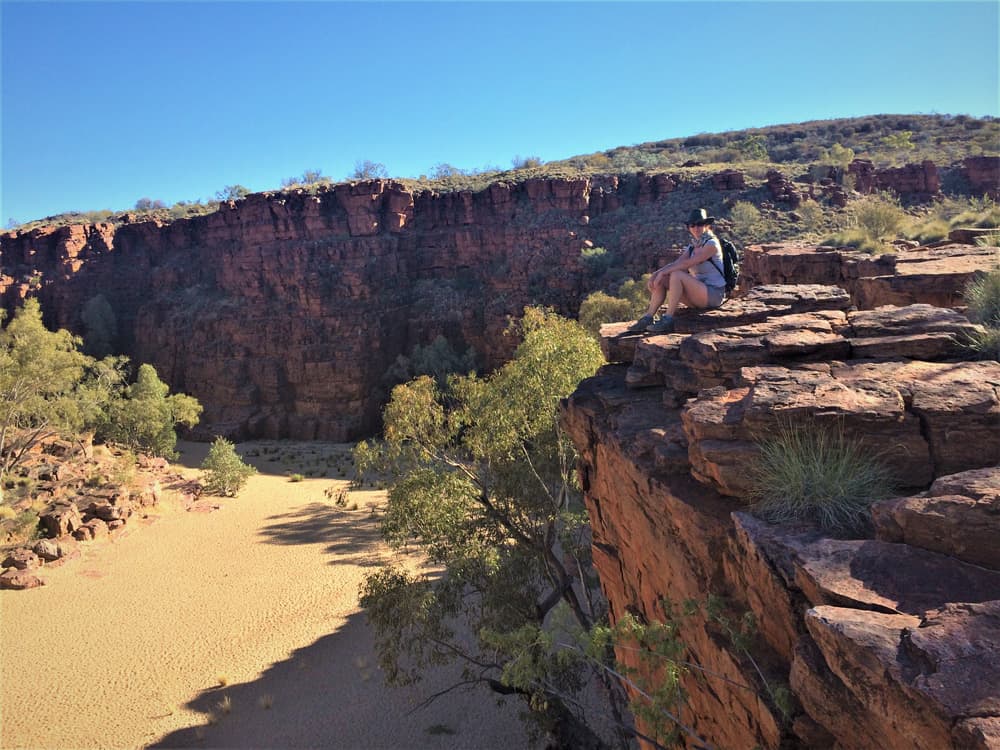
918, 180
882, 640
933, 274
76, 499
983, 174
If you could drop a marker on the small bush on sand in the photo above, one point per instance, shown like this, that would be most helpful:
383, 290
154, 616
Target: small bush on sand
225, 471
817, 474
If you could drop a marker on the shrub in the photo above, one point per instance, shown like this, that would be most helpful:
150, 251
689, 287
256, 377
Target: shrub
746, 220
232, 192
812, 215
526, 162
146, 417
986, 344
368, 170
989, 240
225, 471
439, 359
296, 478
100, 325
148, 204
879, 215
817, 474
857, 239
982, 295
596, 260
928, 231
599, 307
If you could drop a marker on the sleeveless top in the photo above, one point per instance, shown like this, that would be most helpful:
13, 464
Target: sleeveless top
708, 272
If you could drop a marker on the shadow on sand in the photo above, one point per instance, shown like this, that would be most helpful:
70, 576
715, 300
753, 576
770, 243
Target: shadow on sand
352, 537
331, 695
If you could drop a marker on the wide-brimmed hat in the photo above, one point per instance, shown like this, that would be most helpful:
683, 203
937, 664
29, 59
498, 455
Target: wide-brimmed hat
699, 216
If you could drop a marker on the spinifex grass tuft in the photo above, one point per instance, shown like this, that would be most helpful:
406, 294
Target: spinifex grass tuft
982, 295
817, 474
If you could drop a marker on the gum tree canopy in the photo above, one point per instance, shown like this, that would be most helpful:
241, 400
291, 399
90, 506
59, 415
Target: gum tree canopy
484, 483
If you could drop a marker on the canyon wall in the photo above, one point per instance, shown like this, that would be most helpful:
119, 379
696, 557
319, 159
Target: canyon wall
282, 312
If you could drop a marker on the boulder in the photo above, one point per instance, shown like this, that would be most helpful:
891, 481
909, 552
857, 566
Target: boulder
959, 516
19, 579
22, 558
907, 682
61, 518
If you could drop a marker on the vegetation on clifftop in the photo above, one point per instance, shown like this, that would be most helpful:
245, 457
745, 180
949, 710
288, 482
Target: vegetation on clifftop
887, 140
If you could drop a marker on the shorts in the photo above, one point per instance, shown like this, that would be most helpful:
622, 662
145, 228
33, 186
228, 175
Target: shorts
716, 296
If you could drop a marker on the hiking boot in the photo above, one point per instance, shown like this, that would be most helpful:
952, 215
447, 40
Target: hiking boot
664, 325
640, 325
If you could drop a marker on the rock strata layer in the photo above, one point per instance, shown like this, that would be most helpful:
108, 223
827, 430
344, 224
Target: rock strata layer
888, 640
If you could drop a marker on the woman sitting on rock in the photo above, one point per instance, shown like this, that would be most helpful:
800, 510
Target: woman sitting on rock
695, 278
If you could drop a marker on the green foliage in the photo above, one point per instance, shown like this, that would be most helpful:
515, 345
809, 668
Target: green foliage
146, 417
597, 260
746, 219
812, 215
754, 147
296, 477
232, 193
599, 308
982, 295
369, 170
439, 359
41, 373
992, 239
526, 162
100, 326
857, 239
837, 155
659, 666
483, 483
899, 141
879, 216
817, 474
225, 471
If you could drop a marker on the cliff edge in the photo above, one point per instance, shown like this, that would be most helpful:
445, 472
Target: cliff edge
886, 641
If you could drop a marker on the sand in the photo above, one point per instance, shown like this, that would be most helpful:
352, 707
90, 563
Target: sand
234, 628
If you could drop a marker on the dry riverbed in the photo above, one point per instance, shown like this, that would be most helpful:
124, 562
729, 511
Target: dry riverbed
238, 627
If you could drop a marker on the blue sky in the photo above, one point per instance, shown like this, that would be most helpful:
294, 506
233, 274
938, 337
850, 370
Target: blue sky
106, 103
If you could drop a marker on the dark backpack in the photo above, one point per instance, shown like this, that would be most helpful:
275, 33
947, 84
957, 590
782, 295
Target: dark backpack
730, 263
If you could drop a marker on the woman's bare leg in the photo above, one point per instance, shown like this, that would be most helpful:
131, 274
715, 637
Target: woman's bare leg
687, 289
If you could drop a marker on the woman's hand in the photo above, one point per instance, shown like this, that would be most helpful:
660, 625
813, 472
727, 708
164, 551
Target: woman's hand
656, 275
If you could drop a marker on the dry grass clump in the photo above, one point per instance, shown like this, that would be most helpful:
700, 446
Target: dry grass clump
982, 295
818, 474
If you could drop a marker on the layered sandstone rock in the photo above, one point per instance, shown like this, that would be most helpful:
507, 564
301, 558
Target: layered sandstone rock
934, 274
883, 642
283, 312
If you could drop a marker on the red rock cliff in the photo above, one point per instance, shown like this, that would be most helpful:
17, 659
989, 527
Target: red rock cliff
282, 312
889, 640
